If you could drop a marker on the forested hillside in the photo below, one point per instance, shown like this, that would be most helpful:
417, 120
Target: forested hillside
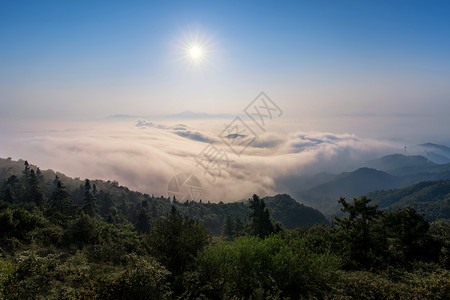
102, 241
389, 172
432, 198
122, 205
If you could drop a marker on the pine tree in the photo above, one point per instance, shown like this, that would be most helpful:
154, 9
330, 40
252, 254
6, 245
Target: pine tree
356, 228
228, 228
60, 199
34, 192
154, 211
39, 175
261, 224
238, 227
11, 189
94, 190
143, 218
26, 170
176, 240
90, 203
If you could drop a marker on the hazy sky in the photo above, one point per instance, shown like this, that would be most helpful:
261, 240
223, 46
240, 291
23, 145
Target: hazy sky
88, 59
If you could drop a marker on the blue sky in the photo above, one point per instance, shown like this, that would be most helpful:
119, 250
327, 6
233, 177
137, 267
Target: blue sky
80, 59
374, 75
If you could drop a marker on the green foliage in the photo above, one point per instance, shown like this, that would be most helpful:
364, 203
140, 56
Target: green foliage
439, 234
292, 214
51, 277
355, 230
261, 224
90, 202
405, 233
403, 285
81, 231
125, 244
271, 266
228, 228
141, 279
60, 201
18, 225
175, 241
109, 198
6, 271
143, 219
12, 190
33, 189
115, 242
432, 198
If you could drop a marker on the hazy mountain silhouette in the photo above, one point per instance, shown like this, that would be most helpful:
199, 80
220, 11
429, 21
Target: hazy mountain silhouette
387, 172
182, 115
437, 153
349, 184
398, 161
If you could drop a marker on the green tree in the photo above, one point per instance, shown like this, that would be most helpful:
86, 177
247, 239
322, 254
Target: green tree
239, 228
7, 223
440, 234
143, 218
104, 202
271, 266
12, 189
60, 200
90, 202
175, 240
355, 229
26, 170
228, 228
34, 193
406, 235
261, 224
83, 230
141, 279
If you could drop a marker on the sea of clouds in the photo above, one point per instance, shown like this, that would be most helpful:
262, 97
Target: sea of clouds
145, 154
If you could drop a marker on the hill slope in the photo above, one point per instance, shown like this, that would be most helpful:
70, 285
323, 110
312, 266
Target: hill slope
291, 213
392, 162
122, 204
352, 184
397, 171
430, 197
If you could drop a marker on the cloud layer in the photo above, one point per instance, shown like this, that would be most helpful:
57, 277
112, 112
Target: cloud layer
145, 155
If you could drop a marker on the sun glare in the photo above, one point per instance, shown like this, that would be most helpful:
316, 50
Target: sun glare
195, 52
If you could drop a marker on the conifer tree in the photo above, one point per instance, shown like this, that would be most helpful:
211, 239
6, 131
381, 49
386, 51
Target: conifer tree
261, 224
143, 218
34, 193
228, 228
90, 202
60, 199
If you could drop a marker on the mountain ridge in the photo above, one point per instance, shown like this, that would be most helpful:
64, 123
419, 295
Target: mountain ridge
122, 204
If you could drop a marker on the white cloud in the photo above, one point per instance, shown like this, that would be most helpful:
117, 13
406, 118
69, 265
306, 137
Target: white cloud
147, 156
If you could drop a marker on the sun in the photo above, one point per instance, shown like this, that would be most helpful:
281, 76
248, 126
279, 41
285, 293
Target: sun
195, 52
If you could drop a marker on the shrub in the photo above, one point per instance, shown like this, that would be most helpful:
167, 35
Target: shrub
251, 265
142, 279
396, 285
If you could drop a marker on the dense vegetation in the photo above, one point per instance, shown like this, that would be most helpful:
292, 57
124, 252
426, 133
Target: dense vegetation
90, 242
432, 198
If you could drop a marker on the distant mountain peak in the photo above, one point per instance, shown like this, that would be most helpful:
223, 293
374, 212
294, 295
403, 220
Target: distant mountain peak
397, 161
